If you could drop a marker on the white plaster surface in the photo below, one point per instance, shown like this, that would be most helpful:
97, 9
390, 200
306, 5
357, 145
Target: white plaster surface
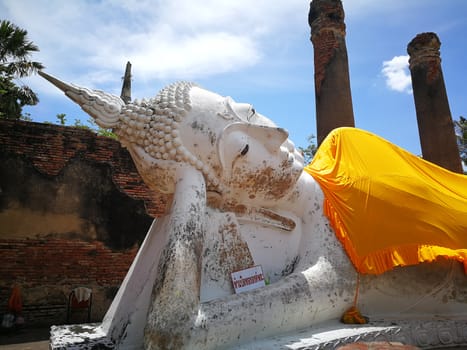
125, 320
79, 337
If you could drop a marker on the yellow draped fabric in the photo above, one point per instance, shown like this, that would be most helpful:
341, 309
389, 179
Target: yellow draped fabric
388, 207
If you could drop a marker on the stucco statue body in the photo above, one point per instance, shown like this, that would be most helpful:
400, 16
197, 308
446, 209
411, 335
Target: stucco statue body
240, 198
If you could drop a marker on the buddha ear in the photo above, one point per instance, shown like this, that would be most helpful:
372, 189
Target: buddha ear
234, 141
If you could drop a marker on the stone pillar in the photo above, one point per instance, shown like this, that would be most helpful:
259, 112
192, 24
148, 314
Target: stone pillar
435, 125
126, 86
332, 83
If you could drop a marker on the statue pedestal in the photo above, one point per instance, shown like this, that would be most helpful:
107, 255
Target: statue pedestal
427, 334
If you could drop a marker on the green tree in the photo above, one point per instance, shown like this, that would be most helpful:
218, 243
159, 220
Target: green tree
461, 133
102, 131
15, 63
310, 151
62, 120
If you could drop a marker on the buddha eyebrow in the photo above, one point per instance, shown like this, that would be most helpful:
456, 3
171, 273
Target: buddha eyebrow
250, 115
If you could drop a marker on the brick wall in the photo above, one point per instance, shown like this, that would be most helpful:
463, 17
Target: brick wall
73, 211
50, 147
48, 269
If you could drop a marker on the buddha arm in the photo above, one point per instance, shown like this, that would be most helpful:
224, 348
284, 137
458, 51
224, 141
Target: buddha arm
321, 289
175, 297
301, 299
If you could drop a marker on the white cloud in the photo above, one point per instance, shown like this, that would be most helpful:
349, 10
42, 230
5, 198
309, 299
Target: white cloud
164, 38
397, 75
188, 56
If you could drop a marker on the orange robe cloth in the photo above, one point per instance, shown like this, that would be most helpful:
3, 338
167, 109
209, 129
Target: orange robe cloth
387, 206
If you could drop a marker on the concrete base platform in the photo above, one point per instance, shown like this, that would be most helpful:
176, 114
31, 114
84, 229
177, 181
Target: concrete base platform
425, 334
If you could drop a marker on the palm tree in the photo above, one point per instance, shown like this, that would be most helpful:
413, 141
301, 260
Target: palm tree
15, 63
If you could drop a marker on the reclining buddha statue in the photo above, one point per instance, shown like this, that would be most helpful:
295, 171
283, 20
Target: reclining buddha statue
366, 218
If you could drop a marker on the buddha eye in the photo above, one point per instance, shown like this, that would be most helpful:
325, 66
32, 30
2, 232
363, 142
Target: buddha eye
245, 150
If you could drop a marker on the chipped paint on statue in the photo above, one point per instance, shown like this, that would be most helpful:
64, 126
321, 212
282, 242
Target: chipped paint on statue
240, 198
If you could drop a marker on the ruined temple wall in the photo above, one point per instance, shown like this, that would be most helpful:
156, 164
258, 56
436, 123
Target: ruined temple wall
48, 269
73, 211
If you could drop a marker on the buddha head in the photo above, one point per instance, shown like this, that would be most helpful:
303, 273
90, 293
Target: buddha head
243, 155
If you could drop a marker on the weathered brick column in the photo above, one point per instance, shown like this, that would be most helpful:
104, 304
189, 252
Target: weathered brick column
435, 125
332, 83
126, 86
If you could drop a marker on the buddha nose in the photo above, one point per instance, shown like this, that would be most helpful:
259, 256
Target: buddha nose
289, 145
276, 137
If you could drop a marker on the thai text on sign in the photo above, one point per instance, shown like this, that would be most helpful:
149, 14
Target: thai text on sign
248, 279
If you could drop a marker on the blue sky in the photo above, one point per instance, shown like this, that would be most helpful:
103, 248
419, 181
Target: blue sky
255, 51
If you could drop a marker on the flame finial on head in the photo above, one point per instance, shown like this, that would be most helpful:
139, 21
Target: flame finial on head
105, 108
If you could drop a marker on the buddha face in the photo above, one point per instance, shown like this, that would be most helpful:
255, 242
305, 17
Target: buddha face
259, 162
253, 158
